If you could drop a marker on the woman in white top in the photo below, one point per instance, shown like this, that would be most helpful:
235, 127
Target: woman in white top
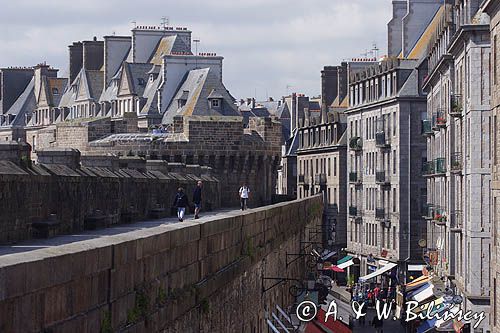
244, 194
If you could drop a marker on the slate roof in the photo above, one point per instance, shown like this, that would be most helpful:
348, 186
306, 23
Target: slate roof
166, 46
24, 105
137, 74
87, 85
151, 96
410, 87
199, 83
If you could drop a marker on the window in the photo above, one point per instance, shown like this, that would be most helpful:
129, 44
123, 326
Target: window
55, 91
394, 162
394, 200
495, 57
329, 167
393, 238
215, 103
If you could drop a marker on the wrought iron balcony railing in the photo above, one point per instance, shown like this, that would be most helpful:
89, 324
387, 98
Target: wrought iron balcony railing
456, 221
428, 211
456, 105
382, 140
427, 128
301, 179
380, 214
440, 166
355, 143
320, 179
381, 178
439, 217
428, 168
439, 119
355, 177
456, 162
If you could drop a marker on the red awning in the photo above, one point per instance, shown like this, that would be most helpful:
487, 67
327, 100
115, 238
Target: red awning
333, 268
333, 325
312, 327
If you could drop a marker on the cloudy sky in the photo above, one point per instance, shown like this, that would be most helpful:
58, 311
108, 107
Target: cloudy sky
267, 44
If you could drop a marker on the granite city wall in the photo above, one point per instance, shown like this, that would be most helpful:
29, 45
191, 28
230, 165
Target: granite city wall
186, 277
59, 196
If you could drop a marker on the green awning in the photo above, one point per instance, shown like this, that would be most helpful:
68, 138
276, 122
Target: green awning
346, 258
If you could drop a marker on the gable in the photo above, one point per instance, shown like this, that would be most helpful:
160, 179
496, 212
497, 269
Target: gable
43, 98
124, 88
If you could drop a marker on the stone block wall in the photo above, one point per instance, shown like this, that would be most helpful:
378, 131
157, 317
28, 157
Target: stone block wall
186, 277
31, 194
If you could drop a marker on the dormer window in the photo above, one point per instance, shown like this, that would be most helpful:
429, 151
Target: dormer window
215, 99
55, 91
181, 101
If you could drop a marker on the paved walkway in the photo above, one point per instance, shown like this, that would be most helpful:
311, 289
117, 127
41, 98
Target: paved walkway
37, 244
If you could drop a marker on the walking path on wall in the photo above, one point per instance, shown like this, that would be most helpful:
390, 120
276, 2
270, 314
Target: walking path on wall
37, 244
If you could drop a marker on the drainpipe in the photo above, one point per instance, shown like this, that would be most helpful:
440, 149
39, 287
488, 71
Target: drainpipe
409, 200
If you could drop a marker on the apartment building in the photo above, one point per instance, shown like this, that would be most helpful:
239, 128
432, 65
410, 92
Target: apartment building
458, 167
386, 190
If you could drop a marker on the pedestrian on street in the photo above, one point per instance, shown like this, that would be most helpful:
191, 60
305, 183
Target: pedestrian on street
197, 199
244, 195
377, 324
181, 202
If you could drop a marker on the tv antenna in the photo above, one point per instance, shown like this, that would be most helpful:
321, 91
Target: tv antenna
165, 22
375, 50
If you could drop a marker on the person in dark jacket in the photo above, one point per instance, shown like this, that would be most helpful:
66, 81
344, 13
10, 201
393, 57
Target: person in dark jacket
181, 202
197, 199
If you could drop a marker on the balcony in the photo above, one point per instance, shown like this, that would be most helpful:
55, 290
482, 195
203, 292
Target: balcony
320, 179
380, 214
428, 211
456, 163
439, 119
355, 178
427, 128
355, 213
456, 221
439, 216
301, 179
456, 106
428, 169
381, 178
439, 166
381, 141
355, 143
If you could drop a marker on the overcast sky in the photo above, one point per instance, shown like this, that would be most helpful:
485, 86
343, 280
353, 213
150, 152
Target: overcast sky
266, 44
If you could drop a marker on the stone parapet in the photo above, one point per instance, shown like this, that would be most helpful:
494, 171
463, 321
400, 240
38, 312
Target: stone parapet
16, 152
188, 277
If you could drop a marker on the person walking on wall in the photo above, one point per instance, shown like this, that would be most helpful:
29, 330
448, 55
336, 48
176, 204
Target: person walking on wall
181, 202
244, 195
197, 199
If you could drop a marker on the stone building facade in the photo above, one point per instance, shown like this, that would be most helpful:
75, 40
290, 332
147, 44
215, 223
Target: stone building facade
492, 8
385, 150
236, 154
458, 152
321, 167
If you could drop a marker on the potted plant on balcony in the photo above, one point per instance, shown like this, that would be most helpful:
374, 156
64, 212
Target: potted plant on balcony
438, 217
456, 107
441, 120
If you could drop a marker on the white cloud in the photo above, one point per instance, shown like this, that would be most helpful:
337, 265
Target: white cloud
267, 44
